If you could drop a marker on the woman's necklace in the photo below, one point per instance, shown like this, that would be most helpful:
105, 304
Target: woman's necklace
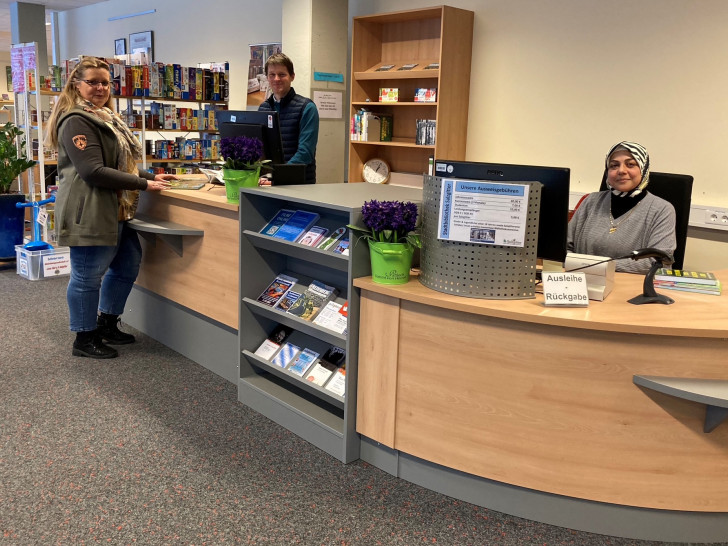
612, 226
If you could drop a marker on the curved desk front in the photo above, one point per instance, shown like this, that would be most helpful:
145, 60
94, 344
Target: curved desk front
542, 402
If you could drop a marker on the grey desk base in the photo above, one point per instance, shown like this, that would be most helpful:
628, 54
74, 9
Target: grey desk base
209, 343
589, 516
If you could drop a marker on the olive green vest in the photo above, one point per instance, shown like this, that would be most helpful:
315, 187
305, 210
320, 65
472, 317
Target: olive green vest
86, 215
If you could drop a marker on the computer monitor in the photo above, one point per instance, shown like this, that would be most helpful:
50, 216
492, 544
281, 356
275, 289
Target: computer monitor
253, 123
554, 213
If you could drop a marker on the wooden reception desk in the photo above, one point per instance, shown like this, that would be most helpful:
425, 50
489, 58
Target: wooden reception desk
544, 399
186, 295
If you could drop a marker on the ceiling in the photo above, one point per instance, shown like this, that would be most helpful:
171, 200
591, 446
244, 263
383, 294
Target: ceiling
50, 5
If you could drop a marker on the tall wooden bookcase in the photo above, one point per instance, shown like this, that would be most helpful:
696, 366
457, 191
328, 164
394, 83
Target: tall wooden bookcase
441, 35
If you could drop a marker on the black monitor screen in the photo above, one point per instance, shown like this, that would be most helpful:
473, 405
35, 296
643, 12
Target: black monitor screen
554, 213
253, 123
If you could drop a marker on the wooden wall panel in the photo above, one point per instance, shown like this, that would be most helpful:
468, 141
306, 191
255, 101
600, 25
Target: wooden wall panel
377, 378
552, 409
205, 278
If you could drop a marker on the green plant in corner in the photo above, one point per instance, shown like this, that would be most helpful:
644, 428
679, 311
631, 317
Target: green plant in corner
12, 160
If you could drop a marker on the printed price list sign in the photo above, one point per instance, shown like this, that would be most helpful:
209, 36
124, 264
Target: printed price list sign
483, 212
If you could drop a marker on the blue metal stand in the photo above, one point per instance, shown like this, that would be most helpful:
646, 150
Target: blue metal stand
36, 243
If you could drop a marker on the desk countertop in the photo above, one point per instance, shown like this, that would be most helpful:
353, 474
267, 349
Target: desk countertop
692, 315
212, 195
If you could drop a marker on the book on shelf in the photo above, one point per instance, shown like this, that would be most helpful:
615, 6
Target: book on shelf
337, 383
286, 354
312, 300
298, 224
273, 342
682, 275
322, 370
385, 68
432, 66
386, 124
408, 66
276, 222
332, 239
332, 318
426, 94
313, 236
389, 94
303, 362
425, 132
284, 304
342, 247
277, 289
713, 289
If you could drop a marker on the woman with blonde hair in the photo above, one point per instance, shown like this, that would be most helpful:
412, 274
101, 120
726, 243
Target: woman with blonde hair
98, 190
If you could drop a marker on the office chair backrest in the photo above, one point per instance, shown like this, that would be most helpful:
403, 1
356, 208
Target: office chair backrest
677, 190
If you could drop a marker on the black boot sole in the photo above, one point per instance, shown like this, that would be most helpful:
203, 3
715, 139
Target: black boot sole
112, 341
80, 352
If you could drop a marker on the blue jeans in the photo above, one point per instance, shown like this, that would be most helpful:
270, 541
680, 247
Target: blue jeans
102, 278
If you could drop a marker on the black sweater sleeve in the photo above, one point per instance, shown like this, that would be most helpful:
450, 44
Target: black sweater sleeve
80, 138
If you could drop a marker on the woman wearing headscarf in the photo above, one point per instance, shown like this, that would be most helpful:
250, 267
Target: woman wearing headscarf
99, 186
627, 217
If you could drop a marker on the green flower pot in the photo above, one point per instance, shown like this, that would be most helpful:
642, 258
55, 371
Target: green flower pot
236, 179
391, 262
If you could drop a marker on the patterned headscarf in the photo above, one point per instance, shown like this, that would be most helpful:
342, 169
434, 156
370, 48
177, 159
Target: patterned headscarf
640, 155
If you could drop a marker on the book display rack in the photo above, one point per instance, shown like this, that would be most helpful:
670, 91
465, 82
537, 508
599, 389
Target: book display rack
318, 414
410, 51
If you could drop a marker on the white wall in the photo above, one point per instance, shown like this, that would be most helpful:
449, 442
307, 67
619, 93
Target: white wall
184, 32
557, 83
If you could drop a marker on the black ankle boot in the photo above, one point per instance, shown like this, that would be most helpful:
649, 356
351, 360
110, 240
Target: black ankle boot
90, 344
108, 328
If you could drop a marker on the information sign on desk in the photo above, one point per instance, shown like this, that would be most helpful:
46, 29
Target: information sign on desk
483, 212
564, 289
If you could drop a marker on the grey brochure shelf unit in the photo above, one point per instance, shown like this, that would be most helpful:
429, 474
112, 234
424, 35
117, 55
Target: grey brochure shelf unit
315, 414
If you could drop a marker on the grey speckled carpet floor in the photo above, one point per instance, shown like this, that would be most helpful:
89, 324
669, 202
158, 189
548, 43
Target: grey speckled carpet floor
151, 448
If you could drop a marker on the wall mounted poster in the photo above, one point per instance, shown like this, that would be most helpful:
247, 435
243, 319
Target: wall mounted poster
483, 212
257, 81
141, 42
22, 60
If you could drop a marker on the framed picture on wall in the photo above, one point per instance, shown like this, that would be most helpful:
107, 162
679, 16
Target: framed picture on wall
120, 46
141, 42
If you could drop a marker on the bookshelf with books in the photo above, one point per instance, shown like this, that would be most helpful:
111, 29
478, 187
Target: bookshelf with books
320, 408
153, 103
417, 53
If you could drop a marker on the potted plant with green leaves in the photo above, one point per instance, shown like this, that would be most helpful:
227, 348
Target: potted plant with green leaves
391, 234
12, 164
243, 159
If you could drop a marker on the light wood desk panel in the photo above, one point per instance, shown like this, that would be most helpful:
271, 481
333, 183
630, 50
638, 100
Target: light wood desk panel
205, 278
543, 398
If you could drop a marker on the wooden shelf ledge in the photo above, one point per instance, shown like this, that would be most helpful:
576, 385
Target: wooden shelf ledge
168, 232
711, 392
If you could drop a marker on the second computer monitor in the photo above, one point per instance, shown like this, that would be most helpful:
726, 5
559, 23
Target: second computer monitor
554, 212
253, 123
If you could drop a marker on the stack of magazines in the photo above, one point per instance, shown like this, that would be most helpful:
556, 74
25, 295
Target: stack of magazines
688, 281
